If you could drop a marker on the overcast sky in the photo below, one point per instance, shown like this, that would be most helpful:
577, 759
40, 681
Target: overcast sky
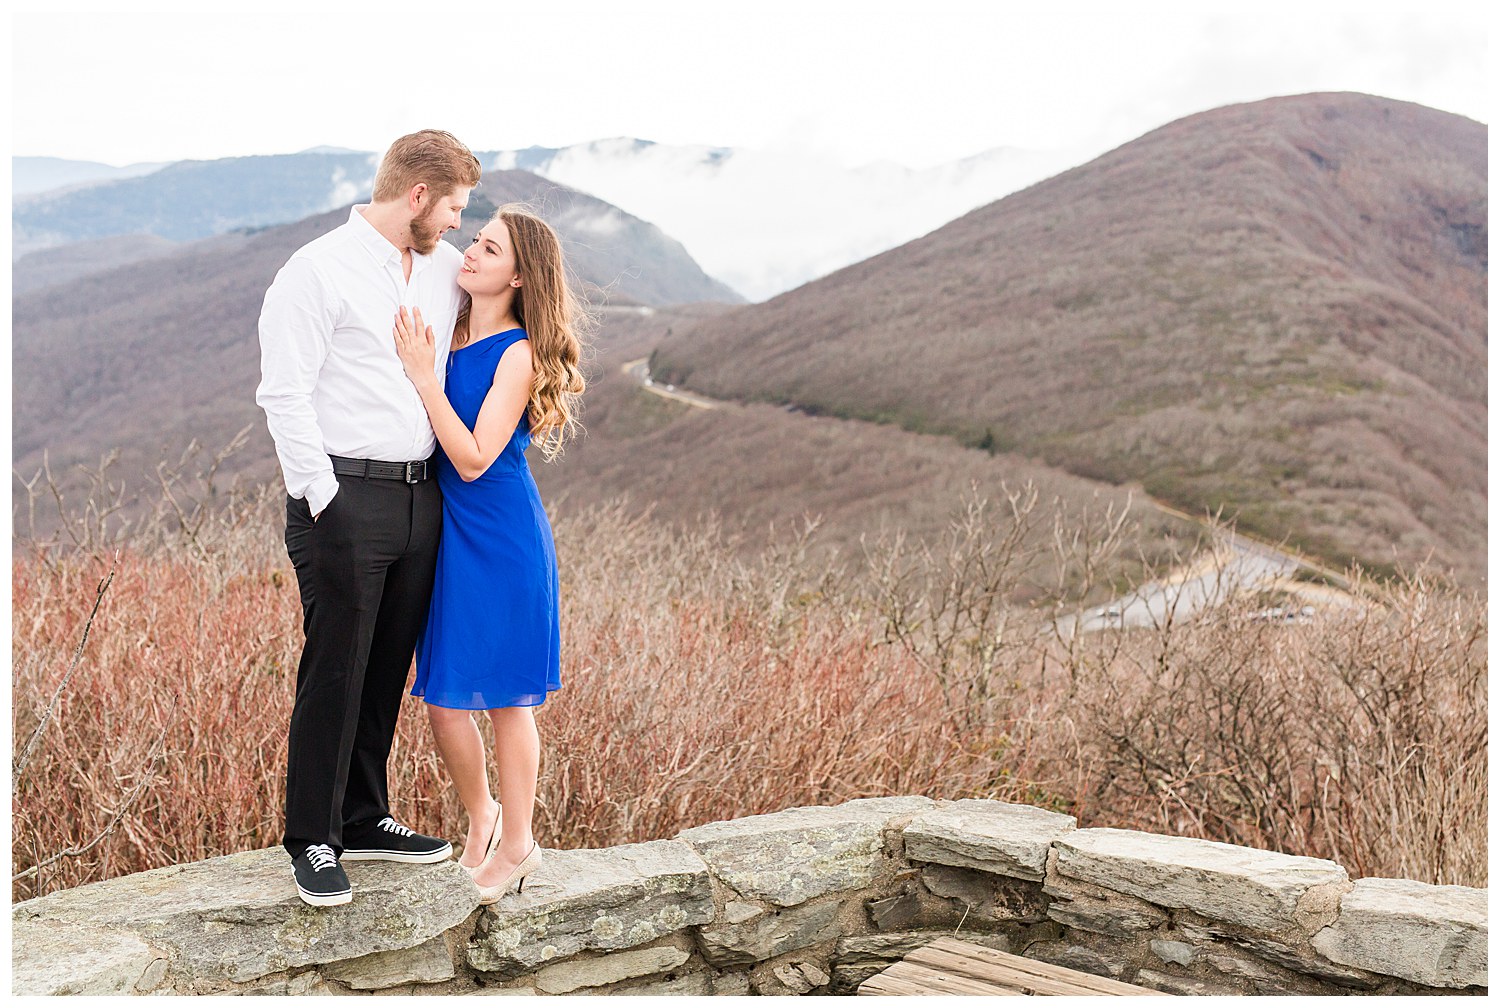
918, 82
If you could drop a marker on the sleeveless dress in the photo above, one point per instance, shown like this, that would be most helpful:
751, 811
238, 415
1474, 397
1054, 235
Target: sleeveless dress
491, 638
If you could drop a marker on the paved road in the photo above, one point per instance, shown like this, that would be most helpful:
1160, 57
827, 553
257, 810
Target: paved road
1240, 565
637, 370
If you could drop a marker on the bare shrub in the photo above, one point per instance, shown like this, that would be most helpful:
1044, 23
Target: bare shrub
1360, 737
703, 680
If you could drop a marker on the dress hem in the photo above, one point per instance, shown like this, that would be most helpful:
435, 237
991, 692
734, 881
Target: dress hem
473, 707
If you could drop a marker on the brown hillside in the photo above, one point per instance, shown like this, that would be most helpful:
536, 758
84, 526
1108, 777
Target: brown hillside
1277, 307
756, 465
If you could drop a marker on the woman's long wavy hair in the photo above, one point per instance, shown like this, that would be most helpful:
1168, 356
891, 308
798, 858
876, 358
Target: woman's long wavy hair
555, 321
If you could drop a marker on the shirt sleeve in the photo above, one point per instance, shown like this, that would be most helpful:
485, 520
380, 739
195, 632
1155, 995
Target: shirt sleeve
296, 333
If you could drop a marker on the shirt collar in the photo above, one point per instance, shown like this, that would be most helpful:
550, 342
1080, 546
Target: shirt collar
380, 249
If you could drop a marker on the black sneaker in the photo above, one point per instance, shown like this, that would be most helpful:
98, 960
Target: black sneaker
320, 878
388, 840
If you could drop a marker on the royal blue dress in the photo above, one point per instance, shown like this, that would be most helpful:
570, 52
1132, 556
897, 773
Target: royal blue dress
491, 638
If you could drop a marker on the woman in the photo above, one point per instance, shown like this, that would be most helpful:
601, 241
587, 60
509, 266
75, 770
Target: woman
491, 641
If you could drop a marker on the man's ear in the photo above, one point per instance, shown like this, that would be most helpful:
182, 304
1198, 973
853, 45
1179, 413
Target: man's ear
417, 196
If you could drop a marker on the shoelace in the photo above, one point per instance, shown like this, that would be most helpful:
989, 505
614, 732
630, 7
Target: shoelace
392, 826
321, 856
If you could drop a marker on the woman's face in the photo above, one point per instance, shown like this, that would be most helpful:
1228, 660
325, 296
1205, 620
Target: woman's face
490, 262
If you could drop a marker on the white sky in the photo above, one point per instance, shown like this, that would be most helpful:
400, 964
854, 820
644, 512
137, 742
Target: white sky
919, 82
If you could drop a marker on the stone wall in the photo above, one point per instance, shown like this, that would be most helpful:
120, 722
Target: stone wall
808, 900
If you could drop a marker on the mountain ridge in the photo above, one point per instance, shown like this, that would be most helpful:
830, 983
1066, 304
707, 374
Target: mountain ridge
1277, 308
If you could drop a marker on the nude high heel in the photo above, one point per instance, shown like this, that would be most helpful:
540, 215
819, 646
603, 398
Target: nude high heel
530, 863
489, 850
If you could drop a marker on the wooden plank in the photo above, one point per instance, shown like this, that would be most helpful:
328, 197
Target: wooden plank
906, 978
1022, 981
983, 954
982, 963
992, 965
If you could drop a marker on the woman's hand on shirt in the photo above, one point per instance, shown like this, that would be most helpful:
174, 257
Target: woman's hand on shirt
415, 347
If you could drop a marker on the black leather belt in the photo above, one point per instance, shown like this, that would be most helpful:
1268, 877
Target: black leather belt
406, 472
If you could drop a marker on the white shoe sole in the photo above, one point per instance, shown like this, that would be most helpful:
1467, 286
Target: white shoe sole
331, 899
403, 856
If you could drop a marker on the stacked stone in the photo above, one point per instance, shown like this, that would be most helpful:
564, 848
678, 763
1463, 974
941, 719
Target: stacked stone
805, 901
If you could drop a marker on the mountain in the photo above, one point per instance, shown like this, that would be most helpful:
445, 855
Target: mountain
1278, 308
39, 174
762, 221
147, 356
194, 199
70, 263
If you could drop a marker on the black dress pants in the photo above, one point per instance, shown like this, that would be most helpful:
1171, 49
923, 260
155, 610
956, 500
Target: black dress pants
365, 571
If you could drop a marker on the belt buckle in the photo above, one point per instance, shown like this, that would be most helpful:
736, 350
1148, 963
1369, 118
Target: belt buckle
416, 472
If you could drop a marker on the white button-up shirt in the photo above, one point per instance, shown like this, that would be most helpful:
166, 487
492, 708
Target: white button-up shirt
331, 382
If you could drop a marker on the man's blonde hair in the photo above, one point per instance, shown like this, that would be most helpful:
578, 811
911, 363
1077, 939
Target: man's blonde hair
431, 156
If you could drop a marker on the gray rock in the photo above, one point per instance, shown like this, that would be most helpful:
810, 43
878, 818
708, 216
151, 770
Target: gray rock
767, 984
812, 974
991, 836
51, 957
599, 971
1169, 984
1433, 935
1078, 957
1090, 908
797, 854
692, 985
792, 978
731, 984
897, 913
1175, 952
736, 912
308, 982
848, 976
153, 977
987, 896
966, 884
522, 988
770, 934
1302, 958
1297, 956
898, 944
1262, 890
232, 919
601, 900
429, 962
1265, 978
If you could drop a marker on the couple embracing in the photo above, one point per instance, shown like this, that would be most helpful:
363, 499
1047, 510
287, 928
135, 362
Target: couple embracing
402, 382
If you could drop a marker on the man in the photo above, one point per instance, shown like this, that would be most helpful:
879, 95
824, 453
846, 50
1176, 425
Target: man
363, 507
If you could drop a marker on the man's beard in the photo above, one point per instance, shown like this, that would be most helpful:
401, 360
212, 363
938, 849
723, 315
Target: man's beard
424, 237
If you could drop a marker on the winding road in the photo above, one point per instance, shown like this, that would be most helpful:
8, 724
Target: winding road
1238, 565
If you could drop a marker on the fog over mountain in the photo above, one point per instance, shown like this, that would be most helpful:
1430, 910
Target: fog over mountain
39, 174
761, 221
764, 221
